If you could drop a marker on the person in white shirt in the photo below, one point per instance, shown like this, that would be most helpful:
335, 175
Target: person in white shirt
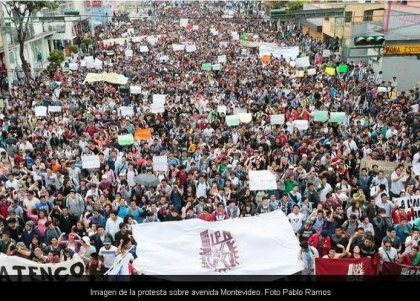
398, 178
202, 187
350, 145
296, 218
323, 189
12, 182
108, 253
112, 225
381, 179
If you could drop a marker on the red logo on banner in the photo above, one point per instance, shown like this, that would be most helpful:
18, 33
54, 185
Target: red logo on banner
218, 251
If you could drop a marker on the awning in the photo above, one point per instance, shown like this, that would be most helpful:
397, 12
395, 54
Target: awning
62, 36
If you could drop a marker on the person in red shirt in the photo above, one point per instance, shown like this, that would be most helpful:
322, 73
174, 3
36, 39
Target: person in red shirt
220, 213
411, 258
321, 242
398, 213
205, 215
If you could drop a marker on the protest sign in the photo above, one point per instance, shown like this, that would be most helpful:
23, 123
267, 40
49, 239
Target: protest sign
178, 47
302, 62
143, 134
343, 68
128, 53
301, 124
338, 117
245, 117
126, 111
135, 89
41, 111
54, 109
221, 59
144, 49
73, 66
216, 67
206, 67
183, 22
127, 139
90, 162
330, 70
221, 109
191, 48
277, 119
320, 116
238, 110
311, 71
408, 201
232, 120
159, 98
262, 180
160, 163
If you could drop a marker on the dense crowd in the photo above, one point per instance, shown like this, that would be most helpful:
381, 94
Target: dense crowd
52, 209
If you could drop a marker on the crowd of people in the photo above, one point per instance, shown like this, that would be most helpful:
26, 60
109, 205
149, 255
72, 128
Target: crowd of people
52, 209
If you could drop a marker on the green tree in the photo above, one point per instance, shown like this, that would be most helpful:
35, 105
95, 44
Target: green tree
55, 58
74, 49
278, 4
293, 6
87, 41
21, 14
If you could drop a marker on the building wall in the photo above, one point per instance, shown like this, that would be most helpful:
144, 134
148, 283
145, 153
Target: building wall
405, 68
313, 33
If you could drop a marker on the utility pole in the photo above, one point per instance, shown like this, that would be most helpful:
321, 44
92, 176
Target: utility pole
6, 49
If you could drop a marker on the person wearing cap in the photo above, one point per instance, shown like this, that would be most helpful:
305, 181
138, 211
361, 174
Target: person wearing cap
86, 249
108, 253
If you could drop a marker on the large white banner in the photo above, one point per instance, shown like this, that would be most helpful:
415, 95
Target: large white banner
17, 266
262, 180
90, 162
406, 202
160, 163
277, 51
259, 245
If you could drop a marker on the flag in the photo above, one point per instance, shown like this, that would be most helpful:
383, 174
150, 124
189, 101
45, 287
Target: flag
258, 245
350, 266
390, 268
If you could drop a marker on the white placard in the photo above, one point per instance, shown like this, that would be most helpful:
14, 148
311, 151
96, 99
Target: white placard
244, 51
383, 89
191, 48
54, 109
235, 35
144, 49
214, 31
128, 53
135, 89
262, 180
278, 52
159, 99
277, 119
221, 59
302, 62
110, 52
157, 108
82, 63
237, 111
195, 27
160, 163
406, 202
415, 108
416, 168
301, 124
136, 39
130, 31
126, 111
292, 64
73, 66
98, 64
183, 22
311, 71
326, 53
178, 47
152, 39
222, 109
164, 58
90, 162
41, 111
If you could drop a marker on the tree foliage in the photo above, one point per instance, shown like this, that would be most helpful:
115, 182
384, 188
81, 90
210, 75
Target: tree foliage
55, 58
21, 13
293, 6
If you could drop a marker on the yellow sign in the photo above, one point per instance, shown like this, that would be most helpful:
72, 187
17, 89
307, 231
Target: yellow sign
401, 49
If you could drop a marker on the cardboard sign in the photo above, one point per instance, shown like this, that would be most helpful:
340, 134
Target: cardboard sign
330, 71
301, 124
135, 89
320, 116
191, 48
128, 53
221, 59
127, 139
144, 49
338, 117
302, 62
232, 120
183, 22
222, 109
159, 99
73, 66
41, 111
54, 109
126, 111
206, 67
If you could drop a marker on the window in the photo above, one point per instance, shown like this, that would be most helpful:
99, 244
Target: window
368, 15
349, 16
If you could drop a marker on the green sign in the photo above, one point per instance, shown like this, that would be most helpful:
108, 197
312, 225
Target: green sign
342, 68
320, 116
216, 67
232, 120
244, 37
206, 67
126, 139
338, 117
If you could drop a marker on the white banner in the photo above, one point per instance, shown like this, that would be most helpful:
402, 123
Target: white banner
126, 111
278, 52
191, 48
17, 266
277, 119
262, 180
144, 49
302, 62
160, 163
54, 109
128, 53
90, 162
130, 31
228, 247
178, 47
73, 66
416, 169
301, 124
311, 71
135, 89
157, 108
238, 110
41, 111
221, 109
159, 99
152, 39
221, 59
406, 202
183, 22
